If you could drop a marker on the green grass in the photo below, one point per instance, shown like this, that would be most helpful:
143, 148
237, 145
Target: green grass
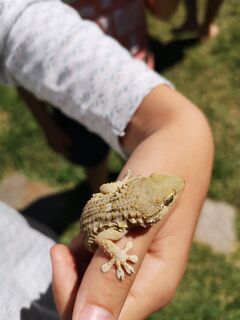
209, 76
210, 290
23, 147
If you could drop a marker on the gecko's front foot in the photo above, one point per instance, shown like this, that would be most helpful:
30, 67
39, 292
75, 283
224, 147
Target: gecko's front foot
120, 260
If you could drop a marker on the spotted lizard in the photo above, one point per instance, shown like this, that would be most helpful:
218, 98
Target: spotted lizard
122, 205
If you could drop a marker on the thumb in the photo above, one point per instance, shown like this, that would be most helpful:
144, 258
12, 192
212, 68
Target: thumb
64, 280
101, 295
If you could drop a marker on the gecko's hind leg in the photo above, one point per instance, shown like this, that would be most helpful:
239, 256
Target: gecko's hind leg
118, 256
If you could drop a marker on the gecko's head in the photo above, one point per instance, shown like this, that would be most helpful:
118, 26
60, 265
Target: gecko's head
161, 192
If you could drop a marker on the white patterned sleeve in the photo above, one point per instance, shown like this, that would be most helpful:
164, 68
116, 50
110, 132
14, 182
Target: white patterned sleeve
48, 49
25, 269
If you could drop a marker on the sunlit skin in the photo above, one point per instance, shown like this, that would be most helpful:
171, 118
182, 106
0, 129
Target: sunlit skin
167, 135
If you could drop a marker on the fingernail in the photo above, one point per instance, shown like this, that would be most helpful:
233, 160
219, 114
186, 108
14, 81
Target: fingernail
91, 312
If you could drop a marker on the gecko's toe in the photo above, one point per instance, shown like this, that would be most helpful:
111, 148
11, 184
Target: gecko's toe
129, 269
108, 265
128, 246
123, 262
132, 258
120, 260
120, 272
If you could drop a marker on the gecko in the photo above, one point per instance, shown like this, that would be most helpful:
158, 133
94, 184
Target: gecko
135, 201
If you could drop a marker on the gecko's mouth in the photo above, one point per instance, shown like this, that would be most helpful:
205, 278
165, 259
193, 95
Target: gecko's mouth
157, 215
166, 205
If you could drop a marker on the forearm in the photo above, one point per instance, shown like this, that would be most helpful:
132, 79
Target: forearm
167, 134
173, 137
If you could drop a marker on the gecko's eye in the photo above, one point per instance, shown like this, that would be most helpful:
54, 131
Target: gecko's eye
168, 200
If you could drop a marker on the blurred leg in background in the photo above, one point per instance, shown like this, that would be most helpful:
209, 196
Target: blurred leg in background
205, 30
70, 139
79, 146
191, 22
208, 29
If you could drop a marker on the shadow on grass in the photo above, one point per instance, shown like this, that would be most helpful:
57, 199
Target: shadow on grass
168, 54
57, 211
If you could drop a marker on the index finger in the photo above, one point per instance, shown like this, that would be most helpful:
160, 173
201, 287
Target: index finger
101, 295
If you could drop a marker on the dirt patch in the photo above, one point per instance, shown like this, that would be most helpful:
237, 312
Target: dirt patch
216, 226
18, 191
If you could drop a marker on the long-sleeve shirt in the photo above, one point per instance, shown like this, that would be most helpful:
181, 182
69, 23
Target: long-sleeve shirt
25, 269
49, 50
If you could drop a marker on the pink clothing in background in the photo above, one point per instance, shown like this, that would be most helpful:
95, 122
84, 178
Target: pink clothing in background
123, 20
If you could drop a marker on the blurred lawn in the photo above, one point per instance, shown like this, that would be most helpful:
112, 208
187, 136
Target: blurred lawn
209, 76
